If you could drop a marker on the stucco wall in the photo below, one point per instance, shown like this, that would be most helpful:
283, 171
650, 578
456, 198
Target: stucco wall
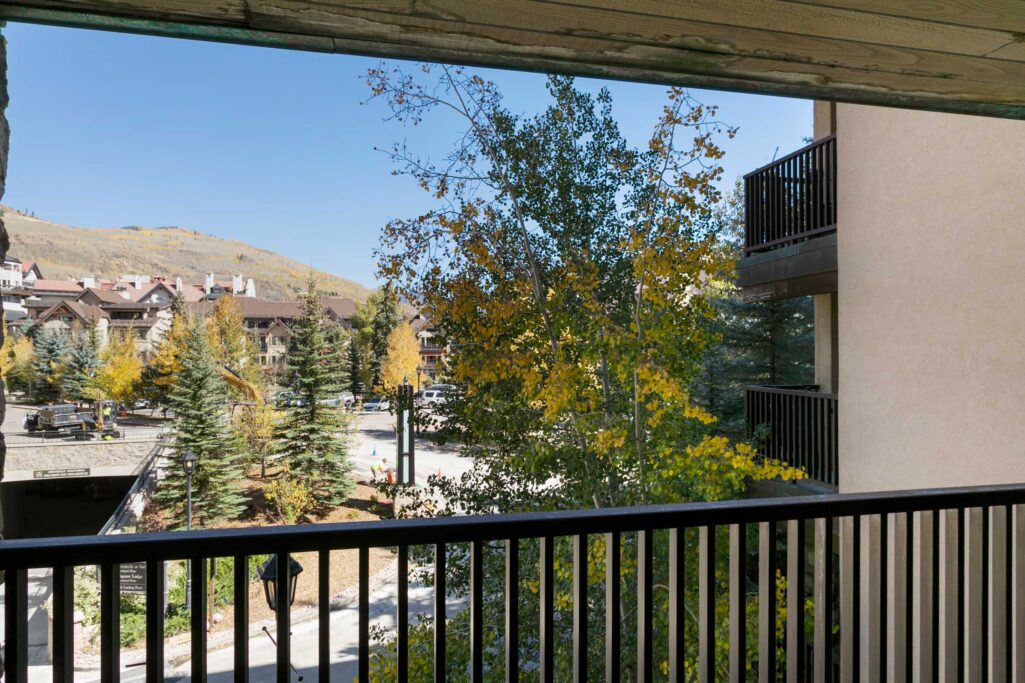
931, 299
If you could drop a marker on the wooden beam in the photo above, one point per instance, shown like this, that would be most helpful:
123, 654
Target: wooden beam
848, 50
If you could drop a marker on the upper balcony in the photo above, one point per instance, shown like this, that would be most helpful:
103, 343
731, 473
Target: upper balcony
790, 222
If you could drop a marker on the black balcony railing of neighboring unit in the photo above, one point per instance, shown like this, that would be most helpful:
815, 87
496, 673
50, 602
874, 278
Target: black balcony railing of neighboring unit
796, 424
792, 198
885, 586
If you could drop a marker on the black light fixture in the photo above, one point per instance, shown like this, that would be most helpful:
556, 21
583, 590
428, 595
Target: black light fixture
189, 461
269, 575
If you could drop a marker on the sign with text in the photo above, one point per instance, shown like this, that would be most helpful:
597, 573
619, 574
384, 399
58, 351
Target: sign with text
133, 578
65, 473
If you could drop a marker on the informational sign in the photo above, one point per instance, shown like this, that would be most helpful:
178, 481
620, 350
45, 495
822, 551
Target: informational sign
133, 578
61, 474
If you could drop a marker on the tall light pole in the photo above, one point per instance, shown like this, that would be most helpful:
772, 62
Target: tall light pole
189, 464
419, 369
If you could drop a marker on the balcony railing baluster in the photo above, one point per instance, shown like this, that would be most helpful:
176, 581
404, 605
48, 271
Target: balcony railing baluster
512, 612
706, 604
240, 590
199, 617
477, 612
546, 590
613, 585
795, 639
323, 615
677, 608
364, 613
580, 558
440, 611
63, 620
645, 574
110, 623
738, 603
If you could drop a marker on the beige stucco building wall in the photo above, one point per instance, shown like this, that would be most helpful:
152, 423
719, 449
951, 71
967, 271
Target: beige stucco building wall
931, 299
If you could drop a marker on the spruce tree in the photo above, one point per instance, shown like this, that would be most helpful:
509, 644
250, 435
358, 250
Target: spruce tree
335, 358
82, 362
386, 318
202, 427
354, 361
50, 355
312, 435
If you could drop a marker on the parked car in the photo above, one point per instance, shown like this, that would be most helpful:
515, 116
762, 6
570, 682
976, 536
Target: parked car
287, 399
432, 397
442, 387
342, 400
377, 403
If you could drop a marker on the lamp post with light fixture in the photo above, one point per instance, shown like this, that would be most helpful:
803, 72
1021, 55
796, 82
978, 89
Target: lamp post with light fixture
189, 461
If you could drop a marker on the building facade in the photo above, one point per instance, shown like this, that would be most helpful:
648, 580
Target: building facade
906, 228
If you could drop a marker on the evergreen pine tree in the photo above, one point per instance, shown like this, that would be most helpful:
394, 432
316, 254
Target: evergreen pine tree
312, 433
201, 426
386, 318
50, 354
335, 358
354, 361
82, 363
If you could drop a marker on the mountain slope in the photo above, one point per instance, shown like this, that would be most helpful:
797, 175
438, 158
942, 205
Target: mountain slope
63, 251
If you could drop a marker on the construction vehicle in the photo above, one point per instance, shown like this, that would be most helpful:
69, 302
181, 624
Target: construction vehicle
99, 418
248, 389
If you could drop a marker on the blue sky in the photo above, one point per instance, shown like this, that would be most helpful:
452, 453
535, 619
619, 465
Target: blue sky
268, 146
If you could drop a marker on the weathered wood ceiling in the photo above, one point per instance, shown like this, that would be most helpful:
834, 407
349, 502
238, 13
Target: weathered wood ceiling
953, 55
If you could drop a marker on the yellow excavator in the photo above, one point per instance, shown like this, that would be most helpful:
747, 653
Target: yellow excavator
248, 389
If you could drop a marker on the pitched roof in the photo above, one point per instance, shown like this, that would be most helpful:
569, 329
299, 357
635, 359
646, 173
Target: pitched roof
341, 307
107, 296
257, 308
84, 312
192, 293
42, 285
145, 291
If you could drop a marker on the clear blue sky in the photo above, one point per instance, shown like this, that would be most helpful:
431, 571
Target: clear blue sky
268, 146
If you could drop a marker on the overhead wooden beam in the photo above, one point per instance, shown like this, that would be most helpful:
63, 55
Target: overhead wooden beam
868, 51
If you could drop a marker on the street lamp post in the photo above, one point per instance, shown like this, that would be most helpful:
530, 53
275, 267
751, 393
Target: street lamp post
189, 464
419, 370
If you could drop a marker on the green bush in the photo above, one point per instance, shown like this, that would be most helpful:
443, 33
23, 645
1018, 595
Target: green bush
133, 607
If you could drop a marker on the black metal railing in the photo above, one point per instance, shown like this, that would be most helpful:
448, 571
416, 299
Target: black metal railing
913, 583
792, 198
797, 425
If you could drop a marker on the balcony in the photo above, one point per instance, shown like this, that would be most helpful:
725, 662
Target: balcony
797, 425
900, 585
790, 222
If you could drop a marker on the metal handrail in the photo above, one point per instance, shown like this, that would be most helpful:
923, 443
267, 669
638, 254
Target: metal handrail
792, 155
74, 550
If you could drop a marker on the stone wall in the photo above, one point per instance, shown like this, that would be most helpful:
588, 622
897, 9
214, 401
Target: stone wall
118, 458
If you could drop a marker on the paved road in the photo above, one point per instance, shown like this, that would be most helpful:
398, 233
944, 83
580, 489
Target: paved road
375, 443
